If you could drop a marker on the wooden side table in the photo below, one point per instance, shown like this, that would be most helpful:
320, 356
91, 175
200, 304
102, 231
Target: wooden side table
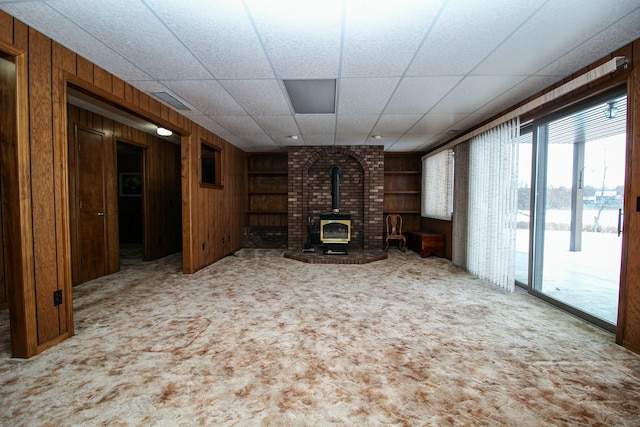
426, 243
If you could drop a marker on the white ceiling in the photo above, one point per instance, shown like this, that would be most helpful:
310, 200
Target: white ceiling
409, 70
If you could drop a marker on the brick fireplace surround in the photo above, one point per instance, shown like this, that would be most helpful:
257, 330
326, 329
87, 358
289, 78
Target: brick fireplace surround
361, 191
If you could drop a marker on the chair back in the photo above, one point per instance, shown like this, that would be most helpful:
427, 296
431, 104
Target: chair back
394, 225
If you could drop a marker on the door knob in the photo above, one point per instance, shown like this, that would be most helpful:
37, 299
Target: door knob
101, 213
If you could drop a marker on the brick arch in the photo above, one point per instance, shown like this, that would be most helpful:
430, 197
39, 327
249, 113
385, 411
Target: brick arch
369, 158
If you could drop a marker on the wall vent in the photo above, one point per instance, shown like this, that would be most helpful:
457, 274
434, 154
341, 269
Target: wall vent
175, 103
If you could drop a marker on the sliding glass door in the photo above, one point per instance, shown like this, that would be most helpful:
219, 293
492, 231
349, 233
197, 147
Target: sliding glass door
575, 237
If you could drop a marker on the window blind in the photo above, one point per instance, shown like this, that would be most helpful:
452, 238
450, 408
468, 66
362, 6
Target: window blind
437, 186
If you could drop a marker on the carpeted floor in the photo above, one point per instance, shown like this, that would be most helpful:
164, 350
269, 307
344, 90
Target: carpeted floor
258, 339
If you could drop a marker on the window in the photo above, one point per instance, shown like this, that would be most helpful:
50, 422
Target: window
437, 185
210, 166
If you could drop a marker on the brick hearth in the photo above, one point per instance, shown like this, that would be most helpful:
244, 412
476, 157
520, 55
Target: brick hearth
361, 191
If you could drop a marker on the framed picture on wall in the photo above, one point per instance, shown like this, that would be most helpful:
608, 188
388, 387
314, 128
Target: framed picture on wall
130, 184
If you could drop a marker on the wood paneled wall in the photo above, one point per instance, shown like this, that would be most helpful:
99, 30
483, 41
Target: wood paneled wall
215, 215
162, 198
39, 161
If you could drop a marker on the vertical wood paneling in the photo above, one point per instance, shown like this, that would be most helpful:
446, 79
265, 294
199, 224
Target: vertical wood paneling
63, 58
6, 28
102, 79
118, 87
163, 190
155, 107
84, 69
20, 35
143, 101
188, 244
111, 196
41, 124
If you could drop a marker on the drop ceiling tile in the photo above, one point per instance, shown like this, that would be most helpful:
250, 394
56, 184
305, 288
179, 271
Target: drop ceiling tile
207, 96
240, 125
450, 51
433, 124
523, 90
48, 21
417, 95
258, 97
220, 34
257, 140
319, 139
469, 122
473, 92
559, 26
356, 124
365, 96
389, 30
591, 50
210, 124
407, 143
317, 124
302, 39
101, 19
152, 86
278, 125
395, 124
353, 139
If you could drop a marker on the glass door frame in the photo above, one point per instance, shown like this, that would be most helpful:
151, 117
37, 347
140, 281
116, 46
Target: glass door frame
538, 204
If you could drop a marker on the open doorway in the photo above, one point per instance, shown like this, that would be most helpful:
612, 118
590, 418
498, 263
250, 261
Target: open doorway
130, 202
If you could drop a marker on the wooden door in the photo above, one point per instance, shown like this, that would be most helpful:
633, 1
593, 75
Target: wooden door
91, 230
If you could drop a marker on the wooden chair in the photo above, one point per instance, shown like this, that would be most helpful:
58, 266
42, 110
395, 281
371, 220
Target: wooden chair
394, 232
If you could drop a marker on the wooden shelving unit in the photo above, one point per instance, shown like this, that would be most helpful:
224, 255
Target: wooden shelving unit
402, 185
267, 189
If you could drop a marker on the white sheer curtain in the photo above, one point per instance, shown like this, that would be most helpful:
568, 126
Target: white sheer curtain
492, 207
437, 185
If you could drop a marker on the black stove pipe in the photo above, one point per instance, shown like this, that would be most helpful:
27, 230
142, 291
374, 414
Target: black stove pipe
335, 171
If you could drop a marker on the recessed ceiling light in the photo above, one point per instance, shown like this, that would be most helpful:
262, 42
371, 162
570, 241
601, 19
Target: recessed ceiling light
377, 136
453, 131
164, 132
294, 137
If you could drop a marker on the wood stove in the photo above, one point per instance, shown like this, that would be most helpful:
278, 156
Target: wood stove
335, 226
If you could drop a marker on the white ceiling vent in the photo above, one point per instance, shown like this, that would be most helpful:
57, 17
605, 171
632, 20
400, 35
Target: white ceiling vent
171, 101
312, 96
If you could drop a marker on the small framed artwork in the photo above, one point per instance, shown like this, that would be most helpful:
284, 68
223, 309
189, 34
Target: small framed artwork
130, 184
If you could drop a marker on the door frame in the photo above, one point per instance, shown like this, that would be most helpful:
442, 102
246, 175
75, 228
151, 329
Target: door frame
538, 209
18, 222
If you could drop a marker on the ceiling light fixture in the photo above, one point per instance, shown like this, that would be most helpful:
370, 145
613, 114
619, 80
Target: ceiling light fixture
294, 137
164, 132
611, 110
377, 136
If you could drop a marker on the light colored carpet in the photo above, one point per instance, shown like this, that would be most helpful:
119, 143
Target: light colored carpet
258, 339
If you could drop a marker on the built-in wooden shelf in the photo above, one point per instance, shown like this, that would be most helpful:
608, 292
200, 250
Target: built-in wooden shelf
402, 184
267, 189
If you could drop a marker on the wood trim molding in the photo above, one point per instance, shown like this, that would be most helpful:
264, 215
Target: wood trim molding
123, 103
